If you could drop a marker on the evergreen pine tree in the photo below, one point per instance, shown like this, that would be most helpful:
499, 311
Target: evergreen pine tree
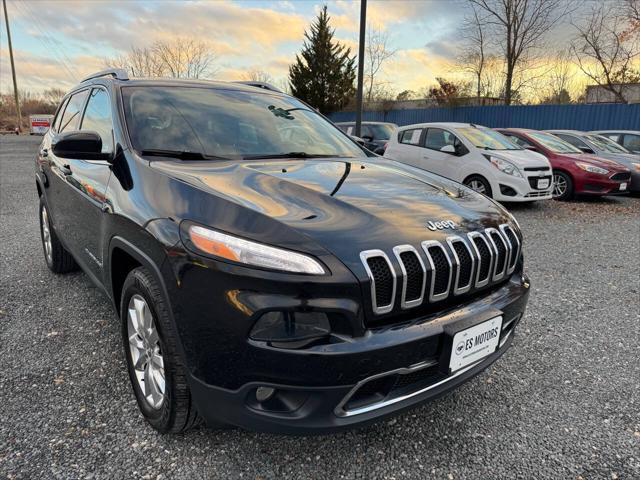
325, 74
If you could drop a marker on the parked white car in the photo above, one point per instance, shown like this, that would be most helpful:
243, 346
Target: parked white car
481, 158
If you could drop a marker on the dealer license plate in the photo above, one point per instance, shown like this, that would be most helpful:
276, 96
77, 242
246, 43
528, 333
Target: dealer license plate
475, 343
623, 186
543, 183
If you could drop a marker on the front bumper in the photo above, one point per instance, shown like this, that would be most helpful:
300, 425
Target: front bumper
595, 184
303, 404
507, 188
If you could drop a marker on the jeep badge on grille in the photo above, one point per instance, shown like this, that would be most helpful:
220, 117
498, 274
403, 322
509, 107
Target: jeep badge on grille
440, 225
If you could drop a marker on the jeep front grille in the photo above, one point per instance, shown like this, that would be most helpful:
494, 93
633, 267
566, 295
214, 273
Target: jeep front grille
439, 270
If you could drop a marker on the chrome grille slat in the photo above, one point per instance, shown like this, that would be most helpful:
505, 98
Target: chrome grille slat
481, 283
515, 249
398, 251
364, 257
434, 297
457, 288
497, 275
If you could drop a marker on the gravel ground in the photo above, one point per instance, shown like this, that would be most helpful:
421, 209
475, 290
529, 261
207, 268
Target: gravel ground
564, 402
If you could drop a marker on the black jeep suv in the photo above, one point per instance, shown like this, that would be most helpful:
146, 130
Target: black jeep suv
268, 272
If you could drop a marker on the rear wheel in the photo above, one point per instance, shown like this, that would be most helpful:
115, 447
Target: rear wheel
562, 186
479, 184
57, 258
156, 370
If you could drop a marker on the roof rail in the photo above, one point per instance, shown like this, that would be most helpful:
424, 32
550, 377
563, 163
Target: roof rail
117, 73
258, 84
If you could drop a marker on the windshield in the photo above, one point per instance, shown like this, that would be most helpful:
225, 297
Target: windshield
382, 131
606, 144
229, 124
487, 139
553, 143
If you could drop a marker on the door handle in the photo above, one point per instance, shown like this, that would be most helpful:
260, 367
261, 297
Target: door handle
44, 152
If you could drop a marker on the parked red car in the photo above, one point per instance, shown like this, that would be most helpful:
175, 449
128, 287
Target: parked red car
574, 172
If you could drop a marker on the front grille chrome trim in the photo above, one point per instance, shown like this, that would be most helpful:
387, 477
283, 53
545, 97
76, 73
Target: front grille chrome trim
481, 283
515, 249
364, 256
498, 275
397, 251
457, 289
426, 245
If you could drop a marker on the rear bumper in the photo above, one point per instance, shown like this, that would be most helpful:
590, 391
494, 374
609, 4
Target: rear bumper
310, 408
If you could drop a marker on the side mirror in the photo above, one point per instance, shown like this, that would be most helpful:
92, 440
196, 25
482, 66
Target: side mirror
586, 150
449, 149
80, 146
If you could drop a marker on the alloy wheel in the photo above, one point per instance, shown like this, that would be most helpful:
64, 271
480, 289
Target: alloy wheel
46, 235
559, 185
146, 354
477, 186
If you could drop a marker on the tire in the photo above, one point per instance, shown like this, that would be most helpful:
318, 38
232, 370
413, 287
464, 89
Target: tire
174, 412
479, 184
57, 258
562, 186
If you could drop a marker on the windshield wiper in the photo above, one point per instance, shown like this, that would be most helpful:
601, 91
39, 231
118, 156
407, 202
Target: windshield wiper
292, 155
181, 154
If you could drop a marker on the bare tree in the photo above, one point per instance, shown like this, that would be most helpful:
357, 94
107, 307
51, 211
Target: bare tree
377, 52
474, 55
606, 48
559, 79
519, 27
180, 58
257, 75
185, 58
53, 96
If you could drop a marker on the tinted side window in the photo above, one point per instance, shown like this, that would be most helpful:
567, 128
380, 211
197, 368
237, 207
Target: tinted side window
438, 138
576, 142
56, 121
410, 137
71, 118
518, 140
97, 118
631, 142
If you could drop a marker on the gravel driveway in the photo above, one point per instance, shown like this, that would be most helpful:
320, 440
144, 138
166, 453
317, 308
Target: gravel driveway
564, 402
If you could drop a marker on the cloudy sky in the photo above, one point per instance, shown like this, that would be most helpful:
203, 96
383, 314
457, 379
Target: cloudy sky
57, 42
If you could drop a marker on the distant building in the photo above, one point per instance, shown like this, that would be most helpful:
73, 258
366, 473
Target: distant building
599, 94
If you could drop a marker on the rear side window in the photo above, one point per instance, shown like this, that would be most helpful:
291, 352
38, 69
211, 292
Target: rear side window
410, 137
631, 142
97, 118
438, 138
73, 110
56, 122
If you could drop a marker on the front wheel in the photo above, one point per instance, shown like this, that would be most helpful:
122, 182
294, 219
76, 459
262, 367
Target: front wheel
562, 186
156, 369
57, 258
479, 184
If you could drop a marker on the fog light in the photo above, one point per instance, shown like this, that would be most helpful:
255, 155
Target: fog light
291, 326
264, 393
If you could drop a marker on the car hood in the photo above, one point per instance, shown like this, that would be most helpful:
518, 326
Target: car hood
625, 159
597, 161
343, 206
522, 158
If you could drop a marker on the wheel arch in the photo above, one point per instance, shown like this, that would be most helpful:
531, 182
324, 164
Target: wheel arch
124, 256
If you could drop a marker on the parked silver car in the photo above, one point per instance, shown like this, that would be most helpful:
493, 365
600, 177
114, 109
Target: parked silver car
605, 148
629, 139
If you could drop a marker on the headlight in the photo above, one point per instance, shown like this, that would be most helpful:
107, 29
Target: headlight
244, 251
592, 168
636, 166
504, 166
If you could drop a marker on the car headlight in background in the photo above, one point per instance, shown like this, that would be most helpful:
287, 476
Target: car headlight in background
504, 166
239, 250
592, 168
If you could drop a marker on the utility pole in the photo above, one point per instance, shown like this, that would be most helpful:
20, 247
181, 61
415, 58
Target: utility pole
363, 28
13, 67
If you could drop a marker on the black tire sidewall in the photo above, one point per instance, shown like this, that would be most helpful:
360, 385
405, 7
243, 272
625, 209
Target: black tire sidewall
137, 283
